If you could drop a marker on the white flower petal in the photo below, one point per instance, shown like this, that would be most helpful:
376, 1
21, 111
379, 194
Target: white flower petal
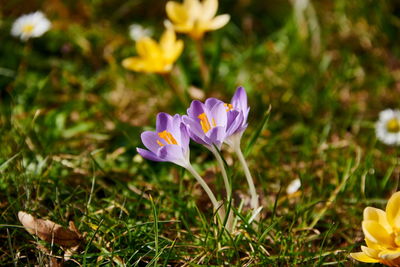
294, 186
137, 32
382, 133
30, 26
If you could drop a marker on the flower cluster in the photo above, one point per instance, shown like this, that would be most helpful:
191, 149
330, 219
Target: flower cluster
192, 17
212, 124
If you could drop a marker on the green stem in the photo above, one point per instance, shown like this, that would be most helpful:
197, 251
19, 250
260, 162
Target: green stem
208, 191
223, 171
254, 197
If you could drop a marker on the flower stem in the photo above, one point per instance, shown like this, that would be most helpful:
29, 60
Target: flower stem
203, 65
254, 197
208, 191
223, 171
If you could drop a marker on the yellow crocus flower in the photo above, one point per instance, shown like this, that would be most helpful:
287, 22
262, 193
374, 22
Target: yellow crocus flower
382, 234
195, 18
155, 57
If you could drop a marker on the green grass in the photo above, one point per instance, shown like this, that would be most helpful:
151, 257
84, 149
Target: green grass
71, 118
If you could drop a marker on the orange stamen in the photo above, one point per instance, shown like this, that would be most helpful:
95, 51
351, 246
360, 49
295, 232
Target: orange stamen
229, 107
205, 124
159, 143
168, 137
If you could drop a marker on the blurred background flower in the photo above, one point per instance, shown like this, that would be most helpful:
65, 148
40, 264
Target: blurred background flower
31, 25
293, 187
137, 32
195, 18
382, 234
388, 127
155, 57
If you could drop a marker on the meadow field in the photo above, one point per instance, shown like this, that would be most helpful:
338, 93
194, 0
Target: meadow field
84, 84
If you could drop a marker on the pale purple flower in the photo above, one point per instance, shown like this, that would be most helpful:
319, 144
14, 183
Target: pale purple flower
207, 122
170, 141
238, 112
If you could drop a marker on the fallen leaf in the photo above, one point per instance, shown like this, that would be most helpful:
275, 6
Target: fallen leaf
50, 231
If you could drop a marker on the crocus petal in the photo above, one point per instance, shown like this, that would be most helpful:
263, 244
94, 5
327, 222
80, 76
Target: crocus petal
372, 245
210, 8
239, 99
147, 47
148, 155
211, 102
193, 125
136, 64
185, 139
193, 8
235, 122
370, 252
219, 114
393, 211
167, 39
218, 22
149, 140
194, 129
216, 136
176, 129
176, 12
171, 48
163, 122
373, 214
377, 233
196, 108
184, 27
361, 256
175, 51
389, 254
173, 153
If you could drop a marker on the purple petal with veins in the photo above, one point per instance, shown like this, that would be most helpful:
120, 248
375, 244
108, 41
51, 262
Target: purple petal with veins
148, 155
216, 136
235, 122
163, 122
185, 139
196, 108
239, 103
219, 114
149, 140
239, 99
172, 153
170, 141
211, 102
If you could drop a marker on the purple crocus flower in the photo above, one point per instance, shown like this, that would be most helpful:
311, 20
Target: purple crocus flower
238, 112
207, 122
170, 141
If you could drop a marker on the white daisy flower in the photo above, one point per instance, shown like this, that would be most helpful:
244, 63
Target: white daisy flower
388, 127
293, 187
137, 32
30, 26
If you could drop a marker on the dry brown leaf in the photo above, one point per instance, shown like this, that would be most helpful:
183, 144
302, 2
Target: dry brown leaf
50, 231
